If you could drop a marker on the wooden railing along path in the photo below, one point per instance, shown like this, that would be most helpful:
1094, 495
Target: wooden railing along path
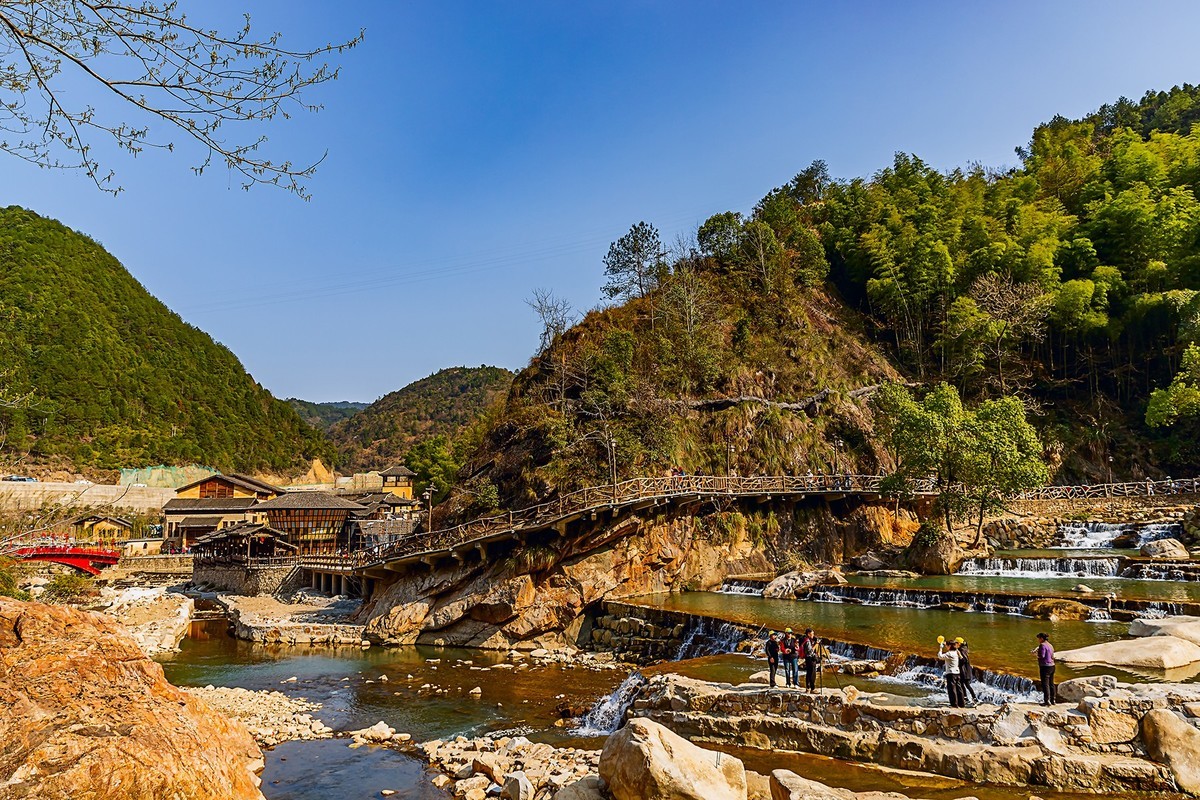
634, 490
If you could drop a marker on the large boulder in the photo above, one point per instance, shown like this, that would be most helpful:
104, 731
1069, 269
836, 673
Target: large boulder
1075, 689
1153, 652
645, 761
1181, 627
1165, 548
84, 713
1171, 740
934, 552
790, 584
787, 785
1056, 608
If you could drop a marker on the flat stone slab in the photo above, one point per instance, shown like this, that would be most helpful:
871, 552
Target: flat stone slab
1149, 652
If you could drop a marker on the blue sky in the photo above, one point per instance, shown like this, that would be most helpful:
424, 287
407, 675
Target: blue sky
478, 150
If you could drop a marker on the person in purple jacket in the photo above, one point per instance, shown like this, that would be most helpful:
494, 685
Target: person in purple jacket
1045, 659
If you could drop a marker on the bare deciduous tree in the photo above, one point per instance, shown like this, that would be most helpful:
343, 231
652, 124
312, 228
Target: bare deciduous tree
1017, 311
553, 312
147, 62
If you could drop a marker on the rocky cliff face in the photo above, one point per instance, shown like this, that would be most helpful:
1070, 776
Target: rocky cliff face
537, 596
85, 715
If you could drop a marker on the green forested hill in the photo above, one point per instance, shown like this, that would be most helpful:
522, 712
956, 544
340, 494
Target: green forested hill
437, 407
325, 415
113, 377
1071, 282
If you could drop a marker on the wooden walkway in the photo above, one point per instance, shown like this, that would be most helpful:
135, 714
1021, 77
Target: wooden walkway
626, 494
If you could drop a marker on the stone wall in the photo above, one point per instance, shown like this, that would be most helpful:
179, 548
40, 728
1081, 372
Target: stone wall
174, 564
641, 635
247, 581
1092, 744
16, 496
252, 626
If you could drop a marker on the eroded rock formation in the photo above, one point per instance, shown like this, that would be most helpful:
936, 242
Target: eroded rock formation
85, 715
537, 595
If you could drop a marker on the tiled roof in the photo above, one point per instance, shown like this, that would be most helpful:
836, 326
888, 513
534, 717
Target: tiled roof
398, 471
245, 529
237, 479
309, 500
211, 505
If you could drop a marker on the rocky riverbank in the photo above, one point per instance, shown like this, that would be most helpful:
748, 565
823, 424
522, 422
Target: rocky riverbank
304, 618
157, 618
642, 761
85, 714
271, 717
1104, 736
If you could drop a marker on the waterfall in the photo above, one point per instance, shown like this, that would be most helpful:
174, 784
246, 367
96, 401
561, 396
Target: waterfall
609, 712
1094, 535
709, 637
1153, 531
740, 587
1090, 535
1007, 567
989, 687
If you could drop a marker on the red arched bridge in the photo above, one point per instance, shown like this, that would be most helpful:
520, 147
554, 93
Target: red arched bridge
85, 557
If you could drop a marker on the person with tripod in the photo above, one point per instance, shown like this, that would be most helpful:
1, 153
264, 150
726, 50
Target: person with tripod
810, 649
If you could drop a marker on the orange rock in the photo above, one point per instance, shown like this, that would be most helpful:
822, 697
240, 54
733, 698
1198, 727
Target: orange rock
84, 714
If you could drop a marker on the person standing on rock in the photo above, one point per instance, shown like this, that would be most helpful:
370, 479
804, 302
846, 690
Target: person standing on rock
965, 671
1045, 658
772, 648
810, 649
949, 656
789, 653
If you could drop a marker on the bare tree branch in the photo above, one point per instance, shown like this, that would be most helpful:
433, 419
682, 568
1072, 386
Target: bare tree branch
148, 56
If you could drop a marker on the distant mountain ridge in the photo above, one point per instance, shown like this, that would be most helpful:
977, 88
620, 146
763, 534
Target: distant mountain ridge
104, 375
440, 405
325, 415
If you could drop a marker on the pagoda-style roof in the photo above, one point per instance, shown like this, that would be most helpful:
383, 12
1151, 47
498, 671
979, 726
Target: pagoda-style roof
315, 501
244, 530
398, 471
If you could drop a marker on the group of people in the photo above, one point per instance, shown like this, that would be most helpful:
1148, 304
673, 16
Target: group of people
788, 650
959, 675
956, 669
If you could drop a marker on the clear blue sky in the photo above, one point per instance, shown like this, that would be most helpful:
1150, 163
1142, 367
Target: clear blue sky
478, 150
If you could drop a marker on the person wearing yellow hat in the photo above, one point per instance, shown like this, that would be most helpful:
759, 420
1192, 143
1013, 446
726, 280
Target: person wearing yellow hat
948, 654
965, 671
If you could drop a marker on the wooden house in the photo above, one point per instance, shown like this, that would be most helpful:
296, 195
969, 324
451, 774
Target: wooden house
316, 522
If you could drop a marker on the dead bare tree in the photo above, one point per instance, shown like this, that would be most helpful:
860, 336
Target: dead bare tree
1018, 314
554, 313
148, 60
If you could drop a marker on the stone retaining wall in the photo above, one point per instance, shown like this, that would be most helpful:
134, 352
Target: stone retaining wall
641, 635
248, 581
157, 565
1093, 745
252, 628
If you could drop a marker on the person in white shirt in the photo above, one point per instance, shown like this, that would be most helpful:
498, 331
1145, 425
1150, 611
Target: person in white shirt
950, 658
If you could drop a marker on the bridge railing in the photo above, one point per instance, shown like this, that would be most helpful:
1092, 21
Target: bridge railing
622, 493
1104, 490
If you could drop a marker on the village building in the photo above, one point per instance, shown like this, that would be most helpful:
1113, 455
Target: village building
316, 522
102, 529
243, 544
398, 480
212, 503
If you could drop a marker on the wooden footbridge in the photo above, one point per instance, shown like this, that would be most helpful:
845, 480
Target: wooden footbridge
629, 495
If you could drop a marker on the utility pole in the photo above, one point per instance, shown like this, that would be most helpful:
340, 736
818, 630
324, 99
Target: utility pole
427, 496
612, 464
